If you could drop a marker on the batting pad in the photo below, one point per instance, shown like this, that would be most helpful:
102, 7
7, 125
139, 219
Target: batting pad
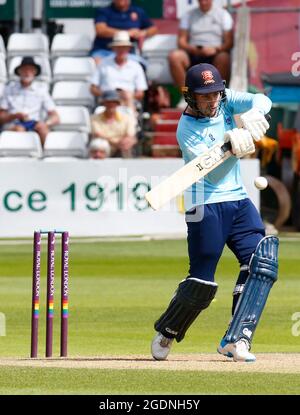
263, 270
192, 296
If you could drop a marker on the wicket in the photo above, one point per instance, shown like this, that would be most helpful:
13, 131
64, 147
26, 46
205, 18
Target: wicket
50, 291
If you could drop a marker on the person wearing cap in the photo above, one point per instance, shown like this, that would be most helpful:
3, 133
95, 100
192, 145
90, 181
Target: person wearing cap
24, 102
99, 149
205, 36
120, 15
120, 73
117, 127
218, 210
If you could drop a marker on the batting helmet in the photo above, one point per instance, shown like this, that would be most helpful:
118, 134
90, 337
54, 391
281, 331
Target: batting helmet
202, 79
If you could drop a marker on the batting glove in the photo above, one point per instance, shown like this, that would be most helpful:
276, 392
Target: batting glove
254, 121
241, 142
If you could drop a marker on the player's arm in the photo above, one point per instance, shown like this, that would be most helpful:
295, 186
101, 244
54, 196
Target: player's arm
197, 167
190, 152
253, 108
241, 139
241, 145
240, 102
255, 122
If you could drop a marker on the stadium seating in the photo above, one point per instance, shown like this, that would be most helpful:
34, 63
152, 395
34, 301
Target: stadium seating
2, 48
156, 50
165, 138
166, 126
42, 84
73, 93
66, 144
68, 77
27, 44
70, 45
20, 144
73, 69
164, 142
159, 45
165, 145
43, 61
62, 159
73, 119
170, 114
158, 70
3, 70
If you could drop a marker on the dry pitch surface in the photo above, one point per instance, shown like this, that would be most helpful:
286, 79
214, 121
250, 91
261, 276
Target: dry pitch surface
265, 363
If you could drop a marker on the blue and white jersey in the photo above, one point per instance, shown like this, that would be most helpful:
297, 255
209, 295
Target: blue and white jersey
195, 136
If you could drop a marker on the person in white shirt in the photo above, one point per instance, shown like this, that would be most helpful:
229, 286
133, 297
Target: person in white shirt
120, 73
25, 103
205, 36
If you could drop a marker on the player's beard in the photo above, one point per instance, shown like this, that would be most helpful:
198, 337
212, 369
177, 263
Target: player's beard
211, 109
208, 109
211, 112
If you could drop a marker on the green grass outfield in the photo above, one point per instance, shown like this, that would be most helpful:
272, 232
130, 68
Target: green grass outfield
117, 290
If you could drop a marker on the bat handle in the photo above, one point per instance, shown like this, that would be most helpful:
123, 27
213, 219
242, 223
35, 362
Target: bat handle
268, 117
227, 146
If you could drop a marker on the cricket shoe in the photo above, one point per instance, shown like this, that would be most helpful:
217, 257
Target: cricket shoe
239, 350
161, 347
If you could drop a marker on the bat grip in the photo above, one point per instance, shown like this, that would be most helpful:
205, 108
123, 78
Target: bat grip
227, 146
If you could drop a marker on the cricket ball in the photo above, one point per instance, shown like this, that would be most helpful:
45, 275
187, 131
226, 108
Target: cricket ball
261, 183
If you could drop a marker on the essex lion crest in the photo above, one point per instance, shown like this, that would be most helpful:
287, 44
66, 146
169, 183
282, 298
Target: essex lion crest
208, 77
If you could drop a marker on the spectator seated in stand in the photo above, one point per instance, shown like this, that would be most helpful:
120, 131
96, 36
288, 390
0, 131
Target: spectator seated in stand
121, 74
24, 103
99, 149
121, 15
205, 36
114, 126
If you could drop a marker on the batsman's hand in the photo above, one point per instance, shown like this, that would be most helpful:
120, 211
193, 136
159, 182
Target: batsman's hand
255, 122
241, 142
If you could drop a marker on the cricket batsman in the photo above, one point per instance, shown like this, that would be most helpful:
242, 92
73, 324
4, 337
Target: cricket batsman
219, 212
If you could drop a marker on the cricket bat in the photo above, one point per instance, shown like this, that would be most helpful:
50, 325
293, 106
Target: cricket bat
188, 174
